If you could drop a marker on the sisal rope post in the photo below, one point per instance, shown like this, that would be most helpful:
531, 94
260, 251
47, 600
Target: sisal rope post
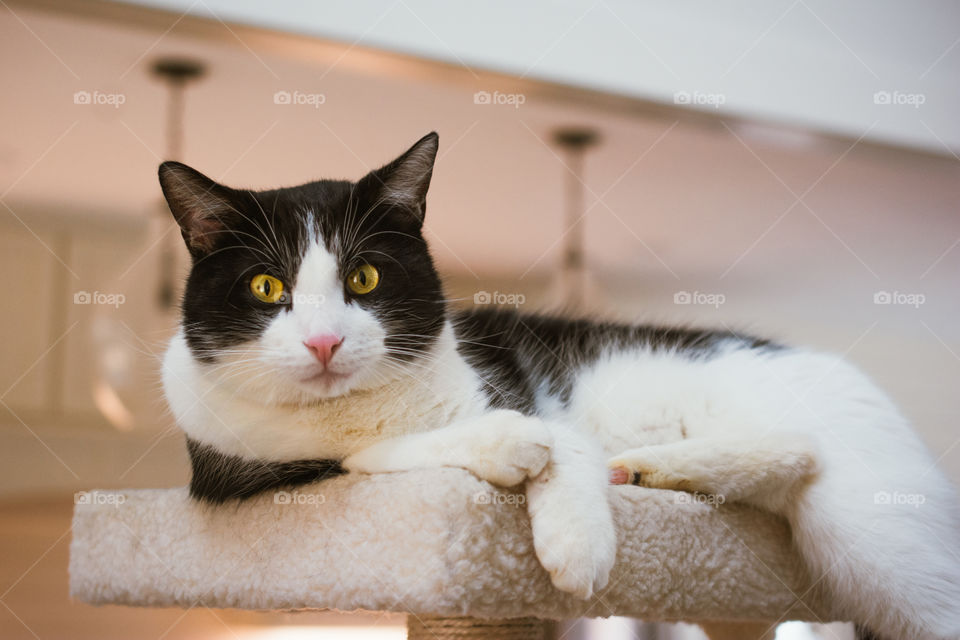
465, 628
722, 630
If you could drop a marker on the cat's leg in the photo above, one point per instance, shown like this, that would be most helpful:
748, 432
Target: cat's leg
573, 532
761, 471
502, 447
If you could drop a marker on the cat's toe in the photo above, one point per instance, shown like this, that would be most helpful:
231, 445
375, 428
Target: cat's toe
629, 469
531, 453
619, 475
579, 570
518, 449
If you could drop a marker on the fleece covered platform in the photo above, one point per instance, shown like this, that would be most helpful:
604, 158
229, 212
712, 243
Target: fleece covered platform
430, 542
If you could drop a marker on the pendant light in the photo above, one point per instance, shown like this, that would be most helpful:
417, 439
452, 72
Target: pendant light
574, 292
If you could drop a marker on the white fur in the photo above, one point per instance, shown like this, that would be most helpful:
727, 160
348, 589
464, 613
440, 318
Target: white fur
573, 532
237, 423
502, 447
808, 436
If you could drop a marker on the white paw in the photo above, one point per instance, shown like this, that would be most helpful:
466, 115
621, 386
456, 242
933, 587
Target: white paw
641, 467
511, 448
577, 548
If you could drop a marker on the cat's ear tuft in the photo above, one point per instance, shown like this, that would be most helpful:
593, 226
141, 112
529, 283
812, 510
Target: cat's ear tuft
405, 181
200, 205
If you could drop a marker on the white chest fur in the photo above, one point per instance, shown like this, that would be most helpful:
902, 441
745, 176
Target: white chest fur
427, 399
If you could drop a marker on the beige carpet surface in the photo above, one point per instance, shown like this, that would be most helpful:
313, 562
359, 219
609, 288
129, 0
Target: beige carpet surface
429, 542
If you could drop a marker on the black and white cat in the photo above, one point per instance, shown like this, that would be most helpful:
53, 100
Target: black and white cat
315, 339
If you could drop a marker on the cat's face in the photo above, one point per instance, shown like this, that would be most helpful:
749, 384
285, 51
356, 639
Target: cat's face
309, 292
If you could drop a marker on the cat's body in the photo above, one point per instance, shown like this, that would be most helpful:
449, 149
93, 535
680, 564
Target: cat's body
387, 379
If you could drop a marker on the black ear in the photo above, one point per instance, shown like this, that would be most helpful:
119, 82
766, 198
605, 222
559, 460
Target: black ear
405, 181
200, 205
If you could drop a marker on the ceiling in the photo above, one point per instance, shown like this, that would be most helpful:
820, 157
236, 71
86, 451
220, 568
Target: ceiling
810, 63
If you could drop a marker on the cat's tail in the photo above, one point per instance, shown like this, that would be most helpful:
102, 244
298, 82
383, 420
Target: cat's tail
893, 567
880, 525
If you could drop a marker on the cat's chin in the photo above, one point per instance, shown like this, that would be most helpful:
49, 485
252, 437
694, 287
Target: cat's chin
327, 384
326, 378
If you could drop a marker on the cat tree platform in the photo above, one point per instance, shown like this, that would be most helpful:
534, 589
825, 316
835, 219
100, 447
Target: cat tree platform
454, 552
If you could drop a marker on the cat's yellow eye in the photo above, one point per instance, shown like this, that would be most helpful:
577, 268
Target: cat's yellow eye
266, 288
363, 279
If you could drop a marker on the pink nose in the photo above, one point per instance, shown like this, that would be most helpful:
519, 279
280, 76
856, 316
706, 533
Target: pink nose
323, 346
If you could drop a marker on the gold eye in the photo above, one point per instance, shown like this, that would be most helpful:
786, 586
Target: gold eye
266, 288
363, 279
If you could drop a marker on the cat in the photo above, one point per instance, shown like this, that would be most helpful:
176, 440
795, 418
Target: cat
316, 339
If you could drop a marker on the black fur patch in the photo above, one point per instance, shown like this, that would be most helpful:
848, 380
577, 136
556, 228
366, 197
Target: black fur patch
517, 353
218, 478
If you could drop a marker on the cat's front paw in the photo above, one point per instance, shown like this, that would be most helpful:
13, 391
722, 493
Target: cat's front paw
510, 449
578, 552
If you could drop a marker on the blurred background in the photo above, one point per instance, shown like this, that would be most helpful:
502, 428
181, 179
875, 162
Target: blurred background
787, 168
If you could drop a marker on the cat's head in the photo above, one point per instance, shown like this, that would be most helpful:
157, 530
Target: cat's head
309, 292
